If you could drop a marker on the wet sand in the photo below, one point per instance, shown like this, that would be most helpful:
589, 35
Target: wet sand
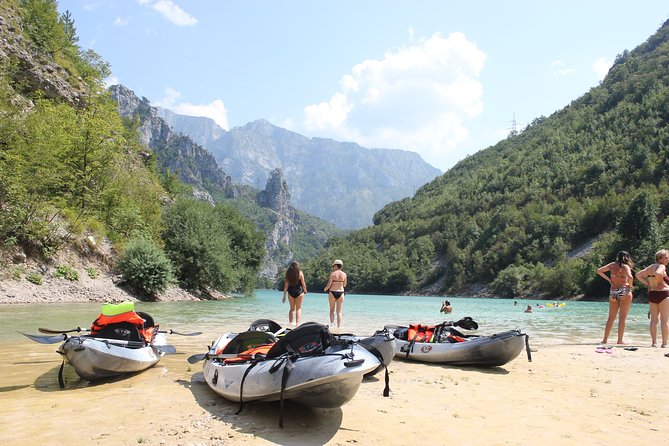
567, 395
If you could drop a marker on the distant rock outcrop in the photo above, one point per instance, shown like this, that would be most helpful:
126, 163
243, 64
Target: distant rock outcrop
276, 197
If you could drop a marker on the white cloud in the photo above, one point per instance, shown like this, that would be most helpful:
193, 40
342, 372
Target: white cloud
111, 80
560, 69
120, 21
329, 114
416, 97
601, 67
215, 110
171, 11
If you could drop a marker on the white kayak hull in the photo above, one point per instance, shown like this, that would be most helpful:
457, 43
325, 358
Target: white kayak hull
483, 351
96, 358
326, 381
382, 345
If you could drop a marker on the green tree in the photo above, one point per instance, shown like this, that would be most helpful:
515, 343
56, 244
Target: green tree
41, 22
212, 248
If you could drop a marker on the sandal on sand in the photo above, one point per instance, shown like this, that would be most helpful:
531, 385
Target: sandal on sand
600, 349
667, 355
609, 349
631, 349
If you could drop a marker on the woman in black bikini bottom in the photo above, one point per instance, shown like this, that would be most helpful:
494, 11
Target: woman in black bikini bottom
296, 288
338, 281
656, 280
656, 297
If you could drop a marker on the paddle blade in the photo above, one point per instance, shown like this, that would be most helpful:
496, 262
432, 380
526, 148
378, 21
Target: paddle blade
196, 358
467, 323
46, 339
166, 349
49, 330
196, 333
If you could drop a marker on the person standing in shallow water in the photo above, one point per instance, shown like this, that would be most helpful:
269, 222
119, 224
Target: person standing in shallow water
446, 307
335, 288
620, 295
294, 285
655, 278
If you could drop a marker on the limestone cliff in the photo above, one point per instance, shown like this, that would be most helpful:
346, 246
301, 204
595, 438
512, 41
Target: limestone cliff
175, 152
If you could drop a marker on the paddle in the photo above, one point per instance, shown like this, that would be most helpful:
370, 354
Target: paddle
196, 358
79, 329
45, 339
48, 330
165, 349
466, 322
195, 333
193, 359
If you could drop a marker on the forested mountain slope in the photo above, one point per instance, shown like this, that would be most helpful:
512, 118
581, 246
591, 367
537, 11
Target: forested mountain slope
539, 211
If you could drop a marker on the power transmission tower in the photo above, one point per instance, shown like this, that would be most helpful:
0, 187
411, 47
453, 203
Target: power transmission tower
514, 126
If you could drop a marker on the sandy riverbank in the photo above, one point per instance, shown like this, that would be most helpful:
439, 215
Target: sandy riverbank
567, 395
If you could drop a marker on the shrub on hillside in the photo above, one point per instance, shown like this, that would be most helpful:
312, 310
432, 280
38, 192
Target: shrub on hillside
66, 272
145, 267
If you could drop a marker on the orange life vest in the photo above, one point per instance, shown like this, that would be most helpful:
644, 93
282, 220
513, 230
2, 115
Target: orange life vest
420, 333
250, 353
129, 316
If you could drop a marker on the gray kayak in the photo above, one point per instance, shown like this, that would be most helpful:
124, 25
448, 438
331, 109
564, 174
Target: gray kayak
469, 350
304, 366
98, 358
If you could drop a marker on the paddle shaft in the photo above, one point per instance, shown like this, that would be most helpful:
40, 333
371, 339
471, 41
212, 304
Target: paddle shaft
79, 330
115, 342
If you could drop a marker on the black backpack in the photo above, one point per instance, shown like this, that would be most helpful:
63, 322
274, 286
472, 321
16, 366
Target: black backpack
309, 339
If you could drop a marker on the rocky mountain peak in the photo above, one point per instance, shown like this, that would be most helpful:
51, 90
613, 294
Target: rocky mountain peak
276, 195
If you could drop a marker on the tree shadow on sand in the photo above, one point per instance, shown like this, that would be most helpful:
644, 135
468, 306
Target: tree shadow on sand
302, 424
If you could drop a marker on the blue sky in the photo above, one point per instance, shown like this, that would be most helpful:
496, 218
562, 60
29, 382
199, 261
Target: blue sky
439, 77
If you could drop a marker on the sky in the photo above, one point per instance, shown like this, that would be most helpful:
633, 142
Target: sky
441, 78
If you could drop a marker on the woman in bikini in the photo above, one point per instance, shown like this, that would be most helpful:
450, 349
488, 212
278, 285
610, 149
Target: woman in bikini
620, 295
655, 278
335, 287
294, 285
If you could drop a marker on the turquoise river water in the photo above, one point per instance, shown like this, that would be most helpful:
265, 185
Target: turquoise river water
575, 322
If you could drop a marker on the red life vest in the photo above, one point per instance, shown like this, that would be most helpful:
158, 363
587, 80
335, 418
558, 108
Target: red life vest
420, 333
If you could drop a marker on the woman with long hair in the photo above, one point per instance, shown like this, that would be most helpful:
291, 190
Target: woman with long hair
335, 288
294, 285
620, 295
655, 277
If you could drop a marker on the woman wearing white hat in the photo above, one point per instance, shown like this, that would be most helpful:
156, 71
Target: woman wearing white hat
335, 287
